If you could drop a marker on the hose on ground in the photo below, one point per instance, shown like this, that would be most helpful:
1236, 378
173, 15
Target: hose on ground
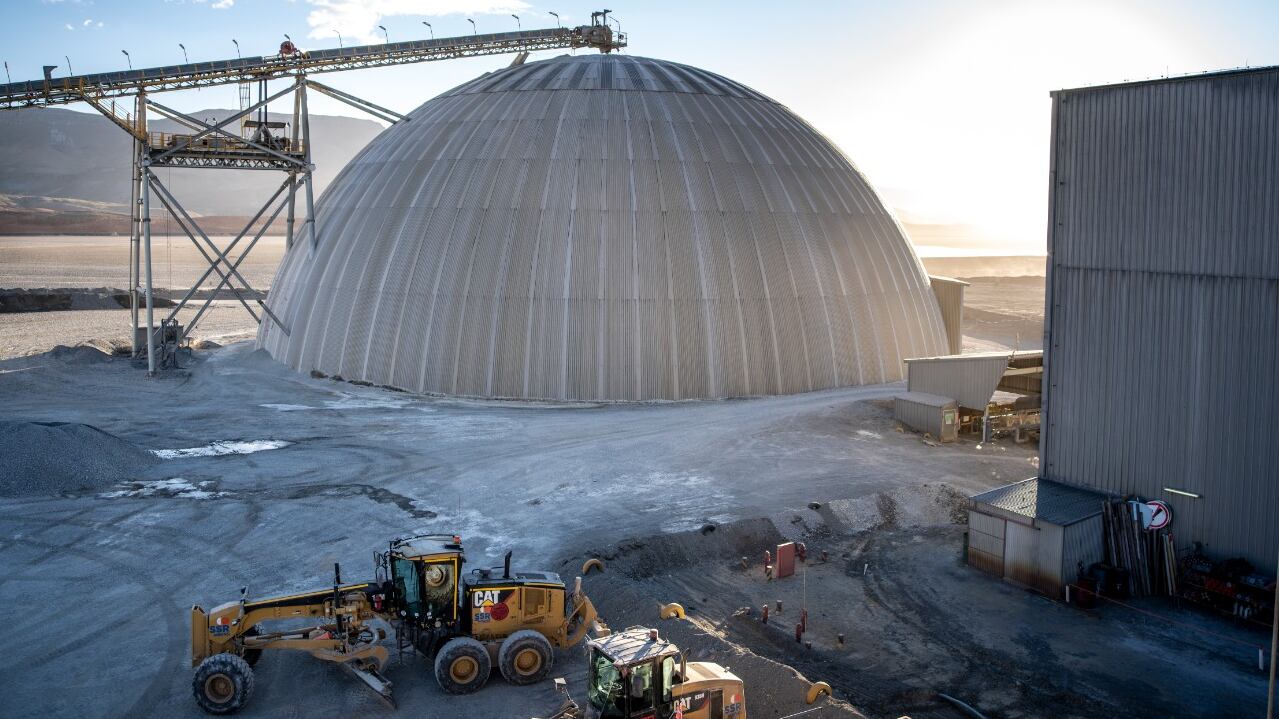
962, 706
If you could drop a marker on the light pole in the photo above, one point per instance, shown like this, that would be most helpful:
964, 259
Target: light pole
237, 47
472, 25
385, 34
339, 37
557, 18
129, 59
517, 22
69, 70
185, 59
431, 29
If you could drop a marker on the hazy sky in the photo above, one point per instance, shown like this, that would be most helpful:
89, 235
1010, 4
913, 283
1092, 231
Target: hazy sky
944, 105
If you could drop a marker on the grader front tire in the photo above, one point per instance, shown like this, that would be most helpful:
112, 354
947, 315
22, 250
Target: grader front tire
526, 657
462, 666
222, 684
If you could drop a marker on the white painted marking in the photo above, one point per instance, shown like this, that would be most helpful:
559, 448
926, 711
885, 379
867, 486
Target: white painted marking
218, 449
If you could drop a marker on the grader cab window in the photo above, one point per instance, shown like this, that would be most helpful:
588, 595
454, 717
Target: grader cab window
640, 685
428, 588
439, 582
606, 691
408, 584
668, 679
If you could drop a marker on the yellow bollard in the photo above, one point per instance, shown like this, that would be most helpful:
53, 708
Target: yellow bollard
816, 690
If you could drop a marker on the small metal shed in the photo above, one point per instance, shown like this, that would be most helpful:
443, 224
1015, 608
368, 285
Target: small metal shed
1036, 533
931, 413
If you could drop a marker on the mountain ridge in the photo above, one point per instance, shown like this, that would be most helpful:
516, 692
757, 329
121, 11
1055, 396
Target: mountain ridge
67, 156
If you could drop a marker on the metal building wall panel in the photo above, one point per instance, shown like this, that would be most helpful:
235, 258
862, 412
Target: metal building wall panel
1032, 556
922, 412
950, 301
986, 542
604, 227
1082, 545
1162, 310
970, 379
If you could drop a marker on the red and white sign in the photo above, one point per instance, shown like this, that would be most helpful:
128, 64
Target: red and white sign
1160, 515
1153, 514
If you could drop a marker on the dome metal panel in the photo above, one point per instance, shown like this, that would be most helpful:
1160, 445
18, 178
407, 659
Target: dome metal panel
603, 228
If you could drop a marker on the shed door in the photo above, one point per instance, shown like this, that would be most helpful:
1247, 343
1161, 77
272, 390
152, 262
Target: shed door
1032, 557
986, 542
1021, 558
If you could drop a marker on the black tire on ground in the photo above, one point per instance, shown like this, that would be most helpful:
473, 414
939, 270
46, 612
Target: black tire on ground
222, 684
252, 655
526, 657
462, 666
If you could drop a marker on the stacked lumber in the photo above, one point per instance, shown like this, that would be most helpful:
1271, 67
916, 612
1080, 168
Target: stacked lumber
1148, 555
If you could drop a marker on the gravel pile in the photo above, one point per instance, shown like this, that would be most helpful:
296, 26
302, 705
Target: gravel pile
40, 458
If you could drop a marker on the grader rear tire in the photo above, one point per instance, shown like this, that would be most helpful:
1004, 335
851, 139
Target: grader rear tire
526, 657
462, 666
222, 684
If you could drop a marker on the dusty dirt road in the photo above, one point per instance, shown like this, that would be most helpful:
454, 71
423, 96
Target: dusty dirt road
105, 577
917, 622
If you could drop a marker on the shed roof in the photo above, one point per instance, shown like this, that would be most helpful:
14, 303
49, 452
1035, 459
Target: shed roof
1044, 500
924, 398
1210, 75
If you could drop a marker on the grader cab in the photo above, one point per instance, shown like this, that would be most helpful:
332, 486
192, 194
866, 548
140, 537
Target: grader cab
513, 620
636, 674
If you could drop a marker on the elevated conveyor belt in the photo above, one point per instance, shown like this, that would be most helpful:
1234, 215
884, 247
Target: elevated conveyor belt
75, 88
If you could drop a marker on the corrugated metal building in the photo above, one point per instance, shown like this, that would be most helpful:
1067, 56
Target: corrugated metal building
931, 413
970, 379
950, 300
1162, 317
604, 227
1036, 533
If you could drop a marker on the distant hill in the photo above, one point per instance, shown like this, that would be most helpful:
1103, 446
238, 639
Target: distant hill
55, 158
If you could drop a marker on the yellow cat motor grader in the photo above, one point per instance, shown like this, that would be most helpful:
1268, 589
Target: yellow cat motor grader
511, 620
635, 674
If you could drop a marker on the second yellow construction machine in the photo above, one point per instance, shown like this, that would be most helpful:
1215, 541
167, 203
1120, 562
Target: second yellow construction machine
465, 625
635, 674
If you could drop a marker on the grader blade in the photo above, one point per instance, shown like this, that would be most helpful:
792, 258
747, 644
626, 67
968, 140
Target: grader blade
373, 679
366, 663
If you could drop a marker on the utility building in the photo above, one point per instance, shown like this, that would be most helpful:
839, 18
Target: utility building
1036, 533
1162, 311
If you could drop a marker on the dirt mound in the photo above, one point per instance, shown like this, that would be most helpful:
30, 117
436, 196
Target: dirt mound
79, 355
925, 505
644, 557
699, 569
39, 458
63, 298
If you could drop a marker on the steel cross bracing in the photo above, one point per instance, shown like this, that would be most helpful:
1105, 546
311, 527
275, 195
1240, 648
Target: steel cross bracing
213, 146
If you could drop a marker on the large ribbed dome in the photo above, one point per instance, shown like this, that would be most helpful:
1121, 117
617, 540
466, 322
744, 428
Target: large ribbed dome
603, 227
